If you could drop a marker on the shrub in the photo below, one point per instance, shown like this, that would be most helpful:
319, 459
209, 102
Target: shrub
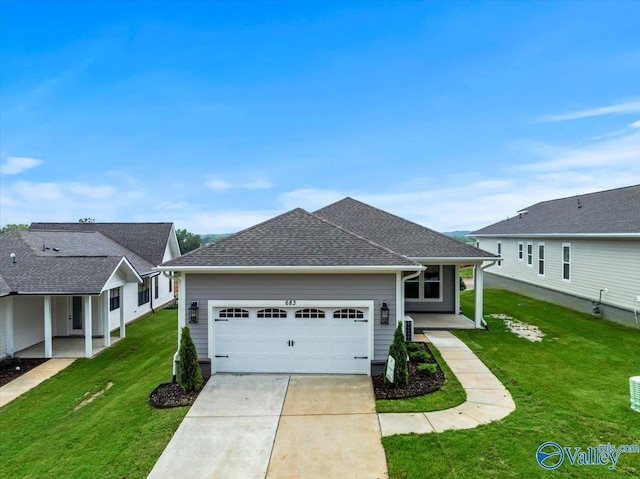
189, 374
415, 347
398, 351
429, 368
420, 356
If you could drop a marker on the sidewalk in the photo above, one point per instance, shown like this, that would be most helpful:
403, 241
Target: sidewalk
31, 379
487, 398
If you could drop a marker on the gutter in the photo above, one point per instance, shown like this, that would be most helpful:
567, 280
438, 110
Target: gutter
493, 262
404, 279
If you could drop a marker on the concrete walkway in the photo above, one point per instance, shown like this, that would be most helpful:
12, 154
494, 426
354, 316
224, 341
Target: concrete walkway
31, 379
257, 426
487, 398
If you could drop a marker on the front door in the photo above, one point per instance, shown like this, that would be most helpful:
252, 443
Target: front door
76, 315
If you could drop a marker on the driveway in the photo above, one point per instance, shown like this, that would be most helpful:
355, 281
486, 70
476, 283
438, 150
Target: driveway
278, 426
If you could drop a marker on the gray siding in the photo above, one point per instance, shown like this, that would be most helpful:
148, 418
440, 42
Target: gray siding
376, 287
448, 303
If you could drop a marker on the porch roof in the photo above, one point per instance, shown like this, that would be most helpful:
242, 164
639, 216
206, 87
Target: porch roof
60, 263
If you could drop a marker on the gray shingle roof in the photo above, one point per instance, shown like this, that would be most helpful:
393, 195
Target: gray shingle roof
396, 233
82, 265
295, 238
614, 211
147, 240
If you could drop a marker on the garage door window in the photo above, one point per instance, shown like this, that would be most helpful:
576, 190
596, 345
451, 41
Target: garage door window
272, 313
310, 313
348, 314
234, 313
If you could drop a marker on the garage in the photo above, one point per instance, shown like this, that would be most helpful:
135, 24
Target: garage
291, 336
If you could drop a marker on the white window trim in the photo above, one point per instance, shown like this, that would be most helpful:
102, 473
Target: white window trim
565, 245
529, 255
520, 251
421, 282
544, 260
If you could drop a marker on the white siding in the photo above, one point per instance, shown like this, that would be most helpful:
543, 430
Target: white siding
595, 265
4, 306
28, 321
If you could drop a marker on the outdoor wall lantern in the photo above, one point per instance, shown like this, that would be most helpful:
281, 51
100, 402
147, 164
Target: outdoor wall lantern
384, 313
193, 312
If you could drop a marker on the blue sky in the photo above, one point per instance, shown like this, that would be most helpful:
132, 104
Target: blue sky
218, 115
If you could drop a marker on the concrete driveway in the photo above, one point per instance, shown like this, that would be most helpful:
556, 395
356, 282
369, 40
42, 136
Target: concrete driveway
278, 426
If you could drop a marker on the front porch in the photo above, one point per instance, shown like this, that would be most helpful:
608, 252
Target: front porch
440, 321
67, 347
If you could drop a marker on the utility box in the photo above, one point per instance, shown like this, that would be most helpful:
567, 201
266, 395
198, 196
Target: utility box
634, 387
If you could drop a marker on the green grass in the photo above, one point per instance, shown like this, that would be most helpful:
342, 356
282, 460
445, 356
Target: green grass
43, 435
449, 395
571, 388
466, 272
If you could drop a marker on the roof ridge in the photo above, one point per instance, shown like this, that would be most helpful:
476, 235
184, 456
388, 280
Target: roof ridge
581, 195
362, 238
388, 214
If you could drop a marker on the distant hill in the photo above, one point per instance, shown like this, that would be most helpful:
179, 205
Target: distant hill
460, 235
212, 237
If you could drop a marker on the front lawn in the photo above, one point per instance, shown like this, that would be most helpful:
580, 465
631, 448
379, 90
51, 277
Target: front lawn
52, 432
572, 388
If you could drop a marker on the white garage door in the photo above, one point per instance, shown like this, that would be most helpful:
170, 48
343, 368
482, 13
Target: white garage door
311, 337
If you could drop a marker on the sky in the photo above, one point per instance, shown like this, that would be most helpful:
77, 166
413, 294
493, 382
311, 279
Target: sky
218, 115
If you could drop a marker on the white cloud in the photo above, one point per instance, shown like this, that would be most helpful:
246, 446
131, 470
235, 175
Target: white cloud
620, 108
635, 124
619, 151
16, 165
309, 199
220, 184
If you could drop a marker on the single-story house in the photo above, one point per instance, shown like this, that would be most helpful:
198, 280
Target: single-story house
80, 280
317, 292
582, 251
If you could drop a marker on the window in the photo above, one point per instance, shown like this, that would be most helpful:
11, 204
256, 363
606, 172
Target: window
427, 286
348, 314
114, 299
566, 261
310, 313
143, 292
529, 254
170, 285
234, 313
272, 313
520, 251
541, 259
156, 285
499, 253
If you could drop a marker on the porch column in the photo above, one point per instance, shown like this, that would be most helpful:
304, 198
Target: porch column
477, 284
88, 334
123, 331
48, 341
105, 320
457, 295
9, 325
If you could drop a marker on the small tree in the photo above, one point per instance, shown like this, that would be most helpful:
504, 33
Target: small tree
187, 241
398, 351
189, 374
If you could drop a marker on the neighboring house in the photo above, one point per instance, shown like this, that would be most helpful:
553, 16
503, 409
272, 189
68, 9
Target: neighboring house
80, 279
571, 250
317, 292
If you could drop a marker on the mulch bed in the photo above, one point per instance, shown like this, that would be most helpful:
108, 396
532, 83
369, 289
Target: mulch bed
172, 395
420, 383
12, 367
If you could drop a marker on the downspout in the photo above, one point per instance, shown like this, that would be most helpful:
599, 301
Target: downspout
484, 323
404, 279
176, 280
